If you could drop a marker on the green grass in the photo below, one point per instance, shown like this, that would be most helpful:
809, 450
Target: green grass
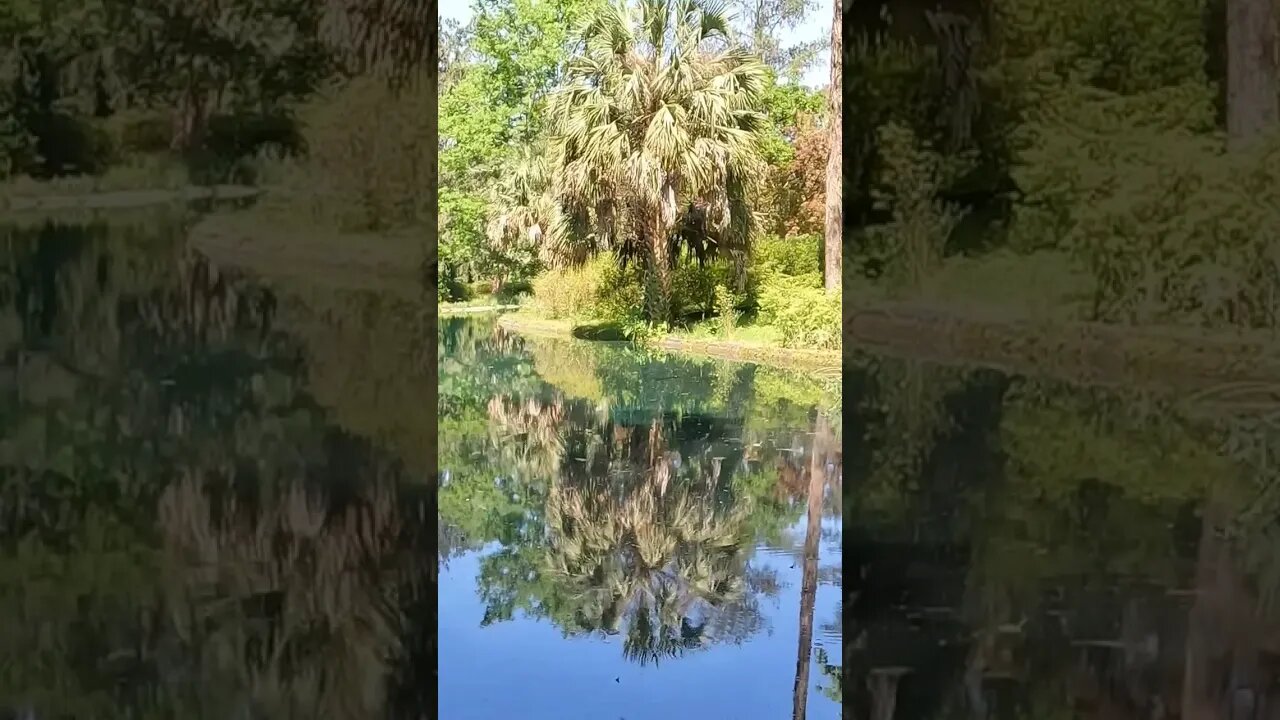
746, 332
1043, 285
140, 172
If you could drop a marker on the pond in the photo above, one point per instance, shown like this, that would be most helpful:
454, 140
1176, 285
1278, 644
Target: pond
216, 496
217, 500
634, 536
1032, 548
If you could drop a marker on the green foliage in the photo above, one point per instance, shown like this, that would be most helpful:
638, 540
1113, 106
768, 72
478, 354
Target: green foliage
1128, 47
726, 310
790, 256
1187, 237
570, 292
367, 157
912, 243
893, 83
804, 314
693, 286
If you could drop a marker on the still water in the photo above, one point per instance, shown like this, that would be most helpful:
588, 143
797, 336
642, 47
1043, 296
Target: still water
215, 495
634, 536
1028, 548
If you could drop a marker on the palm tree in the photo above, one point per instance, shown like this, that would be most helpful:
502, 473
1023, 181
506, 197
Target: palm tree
526, 215
396, 39
657, 142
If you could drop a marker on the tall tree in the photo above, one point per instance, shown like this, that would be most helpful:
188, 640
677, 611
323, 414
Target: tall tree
1252, 103
764, 20
834, 176
659, 122
392, 38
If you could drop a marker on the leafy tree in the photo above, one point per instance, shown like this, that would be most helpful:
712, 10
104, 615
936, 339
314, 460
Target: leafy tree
203, 57
763, 20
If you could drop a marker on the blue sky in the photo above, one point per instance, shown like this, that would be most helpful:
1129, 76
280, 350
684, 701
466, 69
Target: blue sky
816, 25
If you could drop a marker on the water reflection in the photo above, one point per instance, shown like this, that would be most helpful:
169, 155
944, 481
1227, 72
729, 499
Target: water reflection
653, 508
195, 520
1027, 548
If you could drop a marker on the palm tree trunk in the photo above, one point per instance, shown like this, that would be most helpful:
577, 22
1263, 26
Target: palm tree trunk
659, 300
1252, 103
834, 217
809, 581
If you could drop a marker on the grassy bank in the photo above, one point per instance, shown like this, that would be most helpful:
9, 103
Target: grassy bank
309, 255
822, 362
479, 305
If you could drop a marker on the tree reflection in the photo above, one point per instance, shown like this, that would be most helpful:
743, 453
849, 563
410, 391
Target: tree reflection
1064, 551
184, 531
625, 497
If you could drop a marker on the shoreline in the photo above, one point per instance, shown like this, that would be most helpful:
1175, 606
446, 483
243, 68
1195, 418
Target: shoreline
1088, 353
819, 362
118, 199
283, 254
445, 310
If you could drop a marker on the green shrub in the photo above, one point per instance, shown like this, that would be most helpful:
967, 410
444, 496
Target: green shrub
795, 255
693, 286
620, 295
142, 131
911, 244
69, 145
570, 292
1187, 235
366, 165
453, 290
726, 309
801, 311
599, 289
514, 290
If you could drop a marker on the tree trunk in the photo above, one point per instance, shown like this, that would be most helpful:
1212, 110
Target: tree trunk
190, 118
809, 581
1252, 103
659, 300
834, 236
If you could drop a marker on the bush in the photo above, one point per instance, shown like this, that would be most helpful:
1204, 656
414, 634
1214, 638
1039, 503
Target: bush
1187, 236
142, 132
802, 312
727, 309
365, 165
912, 243
620, 296
792, 256
67, 145
693, 286
234, 141
570, 292
599, 289
514, 290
